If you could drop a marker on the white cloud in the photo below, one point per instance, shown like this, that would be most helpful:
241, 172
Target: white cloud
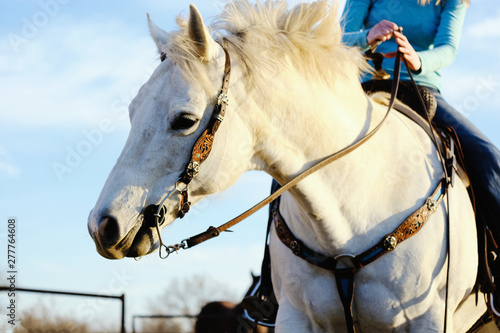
7, 168
484, 29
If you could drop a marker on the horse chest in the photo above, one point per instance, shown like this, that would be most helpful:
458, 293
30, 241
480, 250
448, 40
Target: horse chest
381, 300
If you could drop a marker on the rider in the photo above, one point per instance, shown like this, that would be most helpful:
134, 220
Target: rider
432, 31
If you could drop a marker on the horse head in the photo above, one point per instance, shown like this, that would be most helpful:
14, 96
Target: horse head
286, 64
167, 117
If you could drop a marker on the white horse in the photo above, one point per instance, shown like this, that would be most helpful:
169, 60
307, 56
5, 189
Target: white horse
295, 98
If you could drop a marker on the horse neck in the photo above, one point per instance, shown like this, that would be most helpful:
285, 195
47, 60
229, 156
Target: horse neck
340, 208
299, 131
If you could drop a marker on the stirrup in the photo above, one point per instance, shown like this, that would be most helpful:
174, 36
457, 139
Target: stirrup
492, 306
260, 311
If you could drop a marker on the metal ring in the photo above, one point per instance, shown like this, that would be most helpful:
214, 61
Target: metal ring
344, 255
351, 258
178, 186
172, 248
492, 307
168, 251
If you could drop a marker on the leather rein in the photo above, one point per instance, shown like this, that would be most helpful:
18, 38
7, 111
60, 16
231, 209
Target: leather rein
202, 148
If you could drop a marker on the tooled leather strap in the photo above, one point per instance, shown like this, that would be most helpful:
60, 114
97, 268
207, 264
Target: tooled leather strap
203, 145
408, 228
388, 243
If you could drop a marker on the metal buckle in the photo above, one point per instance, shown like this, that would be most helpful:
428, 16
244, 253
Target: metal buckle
431, 205
295, 247
193, 169
218, 117
223, 98
390, 243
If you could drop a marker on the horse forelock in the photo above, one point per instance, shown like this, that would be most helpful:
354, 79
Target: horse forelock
266, 37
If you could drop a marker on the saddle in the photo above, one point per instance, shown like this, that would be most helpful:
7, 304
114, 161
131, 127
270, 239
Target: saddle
407, 93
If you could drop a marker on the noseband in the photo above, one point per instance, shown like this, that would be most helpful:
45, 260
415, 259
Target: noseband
199, 154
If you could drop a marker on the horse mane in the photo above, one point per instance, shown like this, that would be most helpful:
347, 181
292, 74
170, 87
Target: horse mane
265, 37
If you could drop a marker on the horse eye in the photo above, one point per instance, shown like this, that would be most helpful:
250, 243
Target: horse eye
183, 122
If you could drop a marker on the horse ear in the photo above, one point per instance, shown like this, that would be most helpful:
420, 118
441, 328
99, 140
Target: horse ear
160, 36
204, 45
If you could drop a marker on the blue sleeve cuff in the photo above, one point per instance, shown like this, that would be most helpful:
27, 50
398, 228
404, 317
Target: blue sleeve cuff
357, 39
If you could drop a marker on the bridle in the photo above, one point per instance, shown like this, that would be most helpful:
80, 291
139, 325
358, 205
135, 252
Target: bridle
199, 154
201, 150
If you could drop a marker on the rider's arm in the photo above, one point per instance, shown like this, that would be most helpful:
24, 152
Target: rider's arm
447, 38
355, 13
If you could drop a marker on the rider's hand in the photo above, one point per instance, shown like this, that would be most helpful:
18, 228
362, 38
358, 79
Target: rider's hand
381, 32
408, 52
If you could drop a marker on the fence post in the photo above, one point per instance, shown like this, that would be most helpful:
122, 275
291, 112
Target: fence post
123, 313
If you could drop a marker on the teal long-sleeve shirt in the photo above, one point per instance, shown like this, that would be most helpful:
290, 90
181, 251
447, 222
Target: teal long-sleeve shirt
433, 31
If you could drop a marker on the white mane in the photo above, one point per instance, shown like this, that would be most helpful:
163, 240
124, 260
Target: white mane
266, 36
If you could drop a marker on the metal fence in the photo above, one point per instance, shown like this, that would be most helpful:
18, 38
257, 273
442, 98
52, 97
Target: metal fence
118, 297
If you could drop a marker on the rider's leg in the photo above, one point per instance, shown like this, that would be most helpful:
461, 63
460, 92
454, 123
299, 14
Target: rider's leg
482, 161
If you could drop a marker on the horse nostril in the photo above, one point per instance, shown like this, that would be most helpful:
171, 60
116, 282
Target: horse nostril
149, 215
109, 230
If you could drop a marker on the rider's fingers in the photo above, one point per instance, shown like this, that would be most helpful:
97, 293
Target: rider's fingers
390, 25
404, 43
384, 34
400, 36
381, 32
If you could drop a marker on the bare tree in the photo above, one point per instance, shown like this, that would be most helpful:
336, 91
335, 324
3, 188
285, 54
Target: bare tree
185, 297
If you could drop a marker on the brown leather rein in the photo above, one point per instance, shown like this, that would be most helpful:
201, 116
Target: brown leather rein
202, 149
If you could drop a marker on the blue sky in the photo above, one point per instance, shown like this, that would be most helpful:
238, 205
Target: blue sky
68, 70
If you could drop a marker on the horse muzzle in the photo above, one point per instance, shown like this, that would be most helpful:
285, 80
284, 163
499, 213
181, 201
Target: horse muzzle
112, 242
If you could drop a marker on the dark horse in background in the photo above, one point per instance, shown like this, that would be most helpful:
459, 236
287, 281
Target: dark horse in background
227, 317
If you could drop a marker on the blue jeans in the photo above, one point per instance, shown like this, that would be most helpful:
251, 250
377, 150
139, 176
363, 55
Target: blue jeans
482, 161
